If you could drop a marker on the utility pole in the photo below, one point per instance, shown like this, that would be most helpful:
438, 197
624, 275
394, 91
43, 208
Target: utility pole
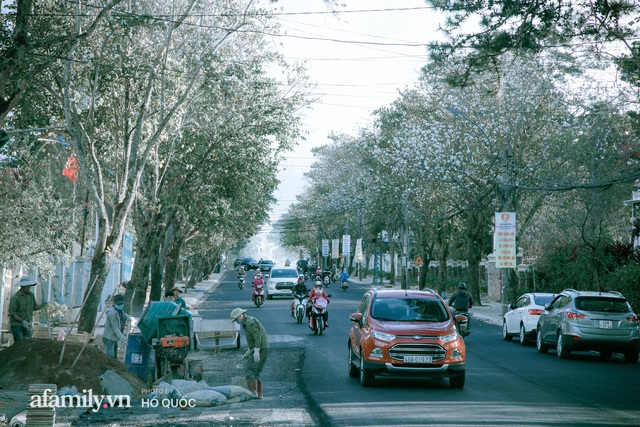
507, 206
405, 246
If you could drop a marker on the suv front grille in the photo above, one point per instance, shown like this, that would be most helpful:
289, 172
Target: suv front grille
398, 351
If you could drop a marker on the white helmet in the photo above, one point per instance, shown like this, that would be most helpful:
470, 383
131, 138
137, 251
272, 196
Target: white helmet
318, 284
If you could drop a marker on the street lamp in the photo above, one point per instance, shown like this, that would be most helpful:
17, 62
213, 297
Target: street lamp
504, 184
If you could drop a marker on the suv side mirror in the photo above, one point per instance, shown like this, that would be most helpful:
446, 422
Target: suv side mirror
356, 317
547, 307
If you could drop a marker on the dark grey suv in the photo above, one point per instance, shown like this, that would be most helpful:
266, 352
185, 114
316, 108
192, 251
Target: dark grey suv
581, 321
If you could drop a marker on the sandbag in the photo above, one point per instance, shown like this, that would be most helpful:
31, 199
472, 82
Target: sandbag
205, 398
233, 393
165, 390
187, 386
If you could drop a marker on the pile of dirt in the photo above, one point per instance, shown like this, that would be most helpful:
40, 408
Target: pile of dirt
35, 361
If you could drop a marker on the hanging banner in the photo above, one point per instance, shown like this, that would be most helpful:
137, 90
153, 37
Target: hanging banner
325, 247
359, 250
346, 245
335, 248
504, 239
127, 256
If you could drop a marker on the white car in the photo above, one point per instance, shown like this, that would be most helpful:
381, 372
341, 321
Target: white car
522, 317
281, 282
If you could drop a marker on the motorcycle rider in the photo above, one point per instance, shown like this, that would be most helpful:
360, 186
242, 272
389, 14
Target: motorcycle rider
242, 274
325, 273
344, 276
461, 300
316, 292
299, 289
257, 281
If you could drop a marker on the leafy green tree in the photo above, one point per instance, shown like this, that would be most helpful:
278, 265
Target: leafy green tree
563, 30
34, 36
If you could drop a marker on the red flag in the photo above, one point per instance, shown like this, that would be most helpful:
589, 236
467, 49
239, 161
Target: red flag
71, 169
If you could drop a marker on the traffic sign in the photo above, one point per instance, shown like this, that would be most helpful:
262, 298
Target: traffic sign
418, 262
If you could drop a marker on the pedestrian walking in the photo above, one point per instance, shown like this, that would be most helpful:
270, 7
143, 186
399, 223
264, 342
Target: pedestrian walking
21, 307
114, 326
258, 350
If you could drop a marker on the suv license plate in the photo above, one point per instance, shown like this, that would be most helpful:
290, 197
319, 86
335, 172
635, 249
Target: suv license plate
418, 359
606, 324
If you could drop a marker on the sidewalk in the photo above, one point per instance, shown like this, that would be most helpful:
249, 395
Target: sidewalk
489, 312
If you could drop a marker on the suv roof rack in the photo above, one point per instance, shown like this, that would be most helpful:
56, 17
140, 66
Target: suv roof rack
570, 290
616, 293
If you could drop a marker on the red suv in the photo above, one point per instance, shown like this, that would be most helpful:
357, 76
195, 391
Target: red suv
405, 334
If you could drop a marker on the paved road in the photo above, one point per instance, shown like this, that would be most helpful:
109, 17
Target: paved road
306, 381
507, 384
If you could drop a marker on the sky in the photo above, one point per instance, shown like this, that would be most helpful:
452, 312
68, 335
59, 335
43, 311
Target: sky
358, 59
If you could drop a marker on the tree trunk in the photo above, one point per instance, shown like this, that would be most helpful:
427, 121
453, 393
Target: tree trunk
475, 243
136, 293
392, 260
100, 266
171, 268
443, 242
157, 272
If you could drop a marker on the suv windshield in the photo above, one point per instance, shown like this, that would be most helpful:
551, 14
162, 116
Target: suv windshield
409, 310
609, 305
290, 273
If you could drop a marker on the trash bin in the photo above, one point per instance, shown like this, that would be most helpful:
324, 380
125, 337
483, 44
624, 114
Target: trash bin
140, 358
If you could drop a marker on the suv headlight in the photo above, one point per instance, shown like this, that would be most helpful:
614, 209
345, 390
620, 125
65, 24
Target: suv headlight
449, 337
383, 337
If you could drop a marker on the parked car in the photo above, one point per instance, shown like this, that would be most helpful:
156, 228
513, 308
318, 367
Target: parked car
281, 282
265, 264
405, 334
522, 318
581, 320
247, 262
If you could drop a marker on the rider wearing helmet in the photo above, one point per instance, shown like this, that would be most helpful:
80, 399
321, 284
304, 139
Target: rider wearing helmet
317, 291
299, 289
461, 300
257, 281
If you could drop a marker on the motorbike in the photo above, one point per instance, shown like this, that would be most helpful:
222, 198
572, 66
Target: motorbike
462, 319
326, 281
318, 318
241, 280
334, 277
344, 285
299, 306
258, 295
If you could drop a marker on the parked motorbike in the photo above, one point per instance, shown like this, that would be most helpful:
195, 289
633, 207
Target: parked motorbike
300, 304
241, 282
344, 285
258, 295
463, 319
318, 318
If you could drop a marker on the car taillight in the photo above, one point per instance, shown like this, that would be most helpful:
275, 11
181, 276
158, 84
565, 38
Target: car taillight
632, 319
535, 311
573, 315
